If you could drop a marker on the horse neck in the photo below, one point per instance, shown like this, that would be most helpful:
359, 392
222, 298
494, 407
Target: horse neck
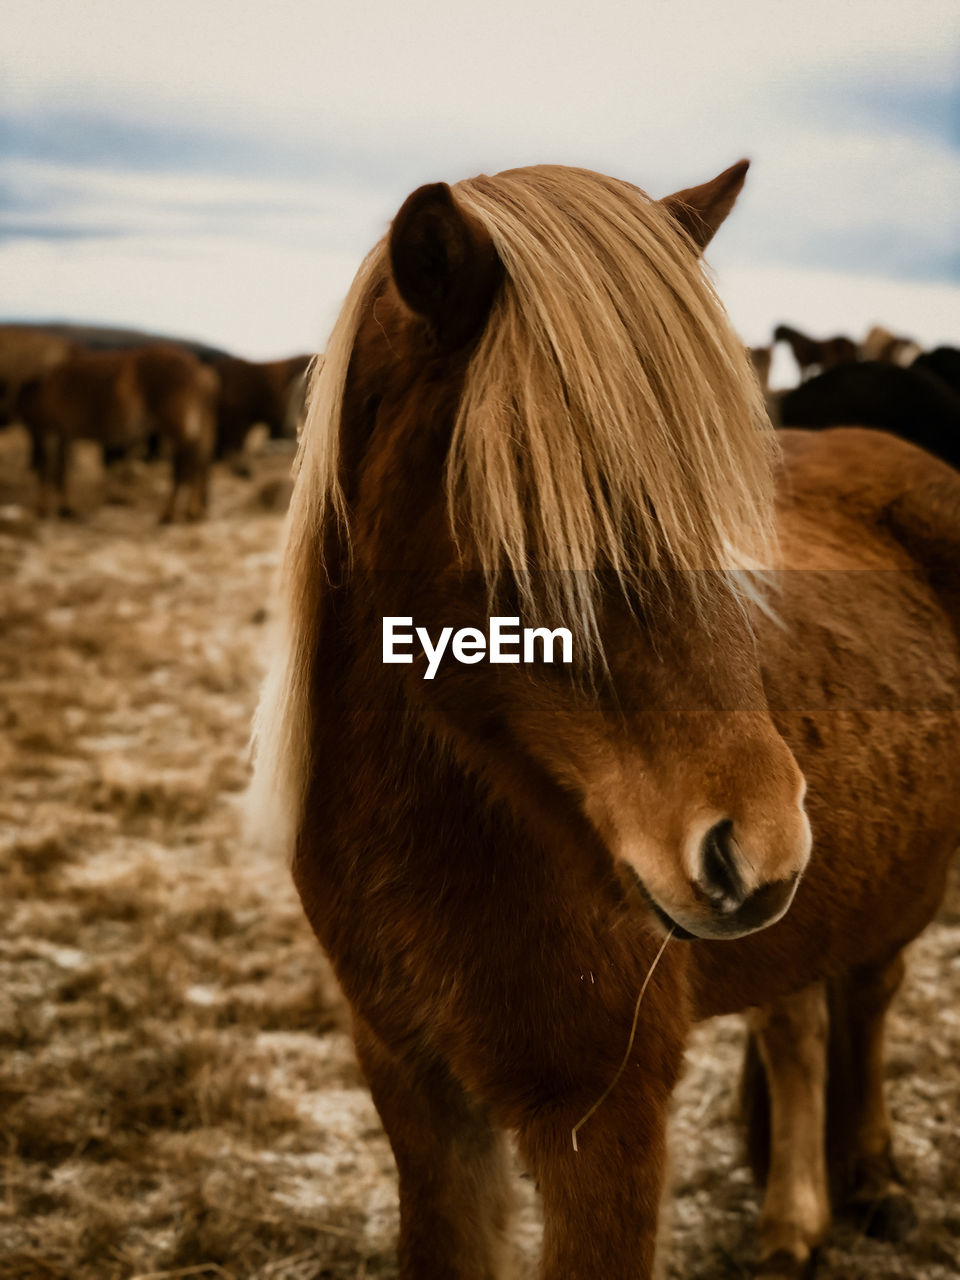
431, 802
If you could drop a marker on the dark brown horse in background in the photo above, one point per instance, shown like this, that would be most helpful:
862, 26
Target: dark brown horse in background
121, 399
252, 393
533, 405
943, 363
913, 403
812, 353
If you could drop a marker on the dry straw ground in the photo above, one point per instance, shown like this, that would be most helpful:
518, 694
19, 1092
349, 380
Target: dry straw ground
178, 1095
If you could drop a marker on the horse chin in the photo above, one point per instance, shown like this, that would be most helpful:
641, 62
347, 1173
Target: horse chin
675, 930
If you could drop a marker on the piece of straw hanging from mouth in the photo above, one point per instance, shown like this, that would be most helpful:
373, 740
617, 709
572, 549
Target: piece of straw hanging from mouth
626, 1057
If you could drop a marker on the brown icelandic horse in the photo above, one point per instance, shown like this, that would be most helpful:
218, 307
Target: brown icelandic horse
251, 393
121, 399
812, 354
533, 405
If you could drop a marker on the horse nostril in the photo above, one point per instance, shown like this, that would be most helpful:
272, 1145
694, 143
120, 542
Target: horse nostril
719, 877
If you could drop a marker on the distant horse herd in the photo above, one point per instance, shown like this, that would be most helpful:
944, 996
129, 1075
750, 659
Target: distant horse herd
135, 395
192, 403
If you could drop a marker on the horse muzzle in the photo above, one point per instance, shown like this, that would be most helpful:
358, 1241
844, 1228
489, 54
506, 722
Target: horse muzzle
723, 896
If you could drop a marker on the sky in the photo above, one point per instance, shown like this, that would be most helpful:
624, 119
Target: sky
218, 169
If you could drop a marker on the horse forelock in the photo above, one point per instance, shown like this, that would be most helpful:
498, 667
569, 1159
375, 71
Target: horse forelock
608, 421
609, 418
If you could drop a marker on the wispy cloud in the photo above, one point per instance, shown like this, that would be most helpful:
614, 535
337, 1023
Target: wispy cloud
852, 200
919, 103
84, 200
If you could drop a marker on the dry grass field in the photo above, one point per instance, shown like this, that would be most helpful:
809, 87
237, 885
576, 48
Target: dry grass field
178, 1095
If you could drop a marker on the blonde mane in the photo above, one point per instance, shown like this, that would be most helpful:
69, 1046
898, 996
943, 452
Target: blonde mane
609, 420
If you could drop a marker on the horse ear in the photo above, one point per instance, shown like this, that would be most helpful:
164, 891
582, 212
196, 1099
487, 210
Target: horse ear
700, 210
444, 264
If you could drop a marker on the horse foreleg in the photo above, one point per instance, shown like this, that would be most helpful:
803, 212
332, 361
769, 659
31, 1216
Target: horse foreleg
41, 460
602, 1200
875, 1191
452, 1166
199, 494
791, 1037
179, 475
61, 459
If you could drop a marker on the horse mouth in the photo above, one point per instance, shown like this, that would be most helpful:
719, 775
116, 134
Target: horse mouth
668, 922
764, 907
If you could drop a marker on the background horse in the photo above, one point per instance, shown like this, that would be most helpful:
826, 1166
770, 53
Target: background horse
533, 404
120, 400
943, 363
881, 344
812, 353
251, 393
913, 403
181, 397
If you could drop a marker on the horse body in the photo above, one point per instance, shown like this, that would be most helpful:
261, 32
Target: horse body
492, 858
119, 399
872, 714
870, 535
86, 397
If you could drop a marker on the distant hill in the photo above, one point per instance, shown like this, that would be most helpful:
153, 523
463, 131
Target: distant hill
97, 337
